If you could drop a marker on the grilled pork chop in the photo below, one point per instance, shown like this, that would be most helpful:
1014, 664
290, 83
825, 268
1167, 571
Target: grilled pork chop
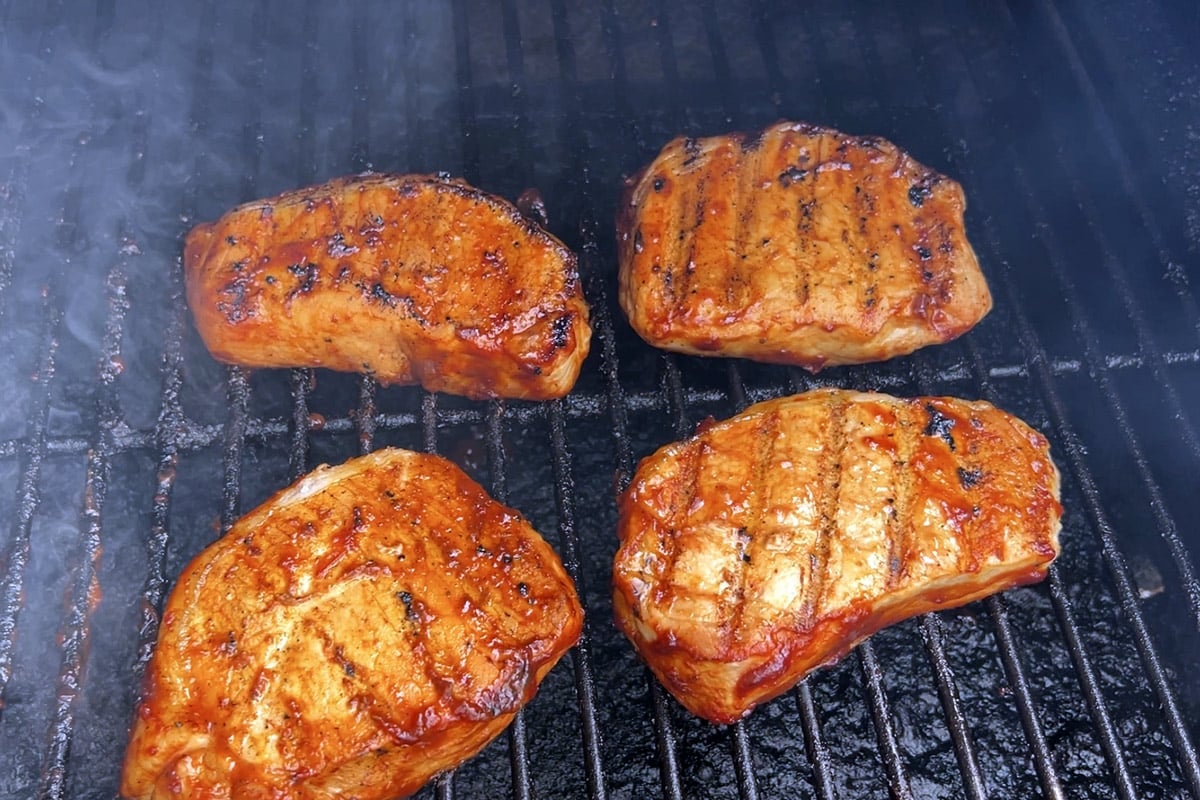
773, 542
372, 625
800, 245
412, 278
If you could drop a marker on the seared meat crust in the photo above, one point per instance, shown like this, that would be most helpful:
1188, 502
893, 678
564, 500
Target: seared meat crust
771, 543
799, 245
372, 625
412, 278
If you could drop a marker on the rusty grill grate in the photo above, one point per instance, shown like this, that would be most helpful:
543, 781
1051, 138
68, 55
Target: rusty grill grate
124, 449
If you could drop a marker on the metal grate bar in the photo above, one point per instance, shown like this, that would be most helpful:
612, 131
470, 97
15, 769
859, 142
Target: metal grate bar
77, 627
1105, 729
584, 682
585, 689
299, 380
515, 61
16, 556
956, 721
1014, 672
364, 417
889, 747
74, 635
664, 729
518, 748
237, 397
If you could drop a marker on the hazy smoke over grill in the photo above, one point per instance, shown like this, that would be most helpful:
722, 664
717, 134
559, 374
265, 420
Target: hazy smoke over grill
123, 123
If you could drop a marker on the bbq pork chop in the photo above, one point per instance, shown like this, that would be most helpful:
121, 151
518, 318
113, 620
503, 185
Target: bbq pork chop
368, 627
773, 542
411, 278
800, 245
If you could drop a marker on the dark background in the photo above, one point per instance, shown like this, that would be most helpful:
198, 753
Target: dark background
124, 448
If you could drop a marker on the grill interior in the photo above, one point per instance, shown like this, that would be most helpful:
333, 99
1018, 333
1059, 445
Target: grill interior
125, 449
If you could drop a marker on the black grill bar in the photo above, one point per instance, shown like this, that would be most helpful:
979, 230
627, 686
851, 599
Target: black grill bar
237, 397
1105, 730
585, 690
1115, 560
299, 380
518, 748
76, 629
1043, 760
664, 730
28, 497
237, 378
889, 748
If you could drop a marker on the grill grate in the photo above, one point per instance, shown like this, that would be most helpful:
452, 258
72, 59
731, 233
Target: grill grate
124, 449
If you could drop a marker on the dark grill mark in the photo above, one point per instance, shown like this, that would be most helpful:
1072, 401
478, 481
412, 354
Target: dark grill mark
918, 194
308, 273
831, 469
410, 612
235, 303
559, 330
337, 247
939, 425
969, 478
792, 174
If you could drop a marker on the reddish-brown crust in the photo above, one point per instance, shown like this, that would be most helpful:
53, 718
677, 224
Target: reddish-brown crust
771, 543
368, 627
797, 245
412, 278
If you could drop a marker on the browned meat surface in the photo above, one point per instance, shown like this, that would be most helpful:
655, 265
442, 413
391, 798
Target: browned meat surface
772, 543
362, 630
412, 278
800, 245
